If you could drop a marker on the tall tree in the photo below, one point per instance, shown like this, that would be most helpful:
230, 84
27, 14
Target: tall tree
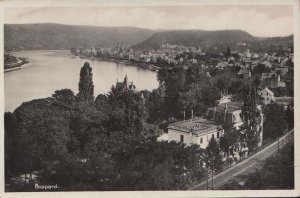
251, 115
86, 86
275, 123
289, 116
230, 140
213, 158
228, 51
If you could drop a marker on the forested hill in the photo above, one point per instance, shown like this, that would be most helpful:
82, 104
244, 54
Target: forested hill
211, 39
57, 36
195, 38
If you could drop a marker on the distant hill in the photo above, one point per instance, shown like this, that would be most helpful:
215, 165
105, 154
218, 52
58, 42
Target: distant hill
208, 40
57, 36
272, 44
202, 38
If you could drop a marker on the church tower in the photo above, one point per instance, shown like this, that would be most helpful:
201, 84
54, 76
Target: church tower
126, 82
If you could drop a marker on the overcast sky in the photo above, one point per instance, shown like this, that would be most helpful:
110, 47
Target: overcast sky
257, 20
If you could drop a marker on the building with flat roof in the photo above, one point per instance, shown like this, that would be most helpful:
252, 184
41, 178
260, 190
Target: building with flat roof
194, 131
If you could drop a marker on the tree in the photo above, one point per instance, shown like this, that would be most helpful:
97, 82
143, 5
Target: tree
275, 123
228, 51
213, 158
251, 116
11, 143
210, 96
261, 68
188, 100
289, 116
126, 112
65, 96
151, 165
154, 102
86, 86
230, 140
173, 82
224, 80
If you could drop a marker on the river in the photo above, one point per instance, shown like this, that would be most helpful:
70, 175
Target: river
48, 71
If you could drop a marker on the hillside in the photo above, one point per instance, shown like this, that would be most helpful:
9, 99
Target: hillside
202, 38
57, 36
208, 40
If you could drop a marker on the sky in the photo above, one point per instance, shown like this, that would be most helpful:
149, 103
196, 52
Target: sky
261, 20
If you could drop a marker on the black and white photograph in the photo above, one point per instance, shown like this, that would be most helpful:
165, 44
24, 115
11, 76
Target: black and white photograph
149, 97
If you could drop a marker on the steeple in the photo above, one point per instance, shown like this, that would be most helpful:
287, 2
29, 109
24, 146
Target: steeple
117, 47
121, 47
126, 81
142, 98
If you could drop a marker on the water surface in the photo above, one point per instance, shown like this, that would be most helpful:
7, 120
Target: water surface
48, 71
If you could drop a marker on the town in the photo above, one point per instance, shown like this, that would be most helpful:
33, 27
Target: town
273, 73
217, 109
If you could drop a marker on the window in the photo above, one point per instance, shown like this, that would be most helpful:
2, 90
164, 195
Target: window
213, 136
181, 138
267, 94
201, 140
218, 134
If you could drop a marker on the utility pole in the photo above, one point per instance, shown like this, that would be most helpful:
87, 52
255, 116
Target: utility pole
207, 179
212, 178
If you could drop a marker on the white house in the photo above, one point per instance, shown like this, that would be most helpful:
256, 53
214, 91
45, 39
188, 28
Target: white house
267, 95
195, 131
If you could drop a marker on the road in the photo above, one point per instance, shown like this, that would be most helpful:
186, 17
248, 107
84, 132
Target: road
223, 177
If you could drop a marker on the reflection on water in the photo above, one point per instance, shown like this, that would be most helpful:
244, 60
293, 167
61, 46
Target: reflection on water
48, 71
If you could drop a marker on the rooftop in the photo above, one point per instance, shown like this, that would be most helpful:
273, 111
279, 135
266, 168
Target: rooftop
268, 90
195, 126
230, 106
284, 99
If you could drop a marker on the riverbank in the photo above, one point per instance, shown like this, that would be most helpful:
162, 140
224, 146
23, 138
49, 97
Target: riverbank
123, 61
12, 63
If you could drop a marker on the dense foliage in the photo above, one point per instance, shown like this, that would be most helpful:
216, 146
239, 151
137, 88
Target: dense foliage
187, 92
82, 144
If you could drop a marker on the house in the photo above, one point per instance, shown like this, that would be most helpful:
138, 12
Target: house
267, 95
283, 70
93, 51
285, 101
195, 131
226, 113
230, 114
241, 44
225, 98
272, 80
125, 85
244, 73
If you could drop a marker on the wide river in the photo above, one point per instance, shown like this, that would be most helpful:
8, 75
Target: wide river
48, 71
